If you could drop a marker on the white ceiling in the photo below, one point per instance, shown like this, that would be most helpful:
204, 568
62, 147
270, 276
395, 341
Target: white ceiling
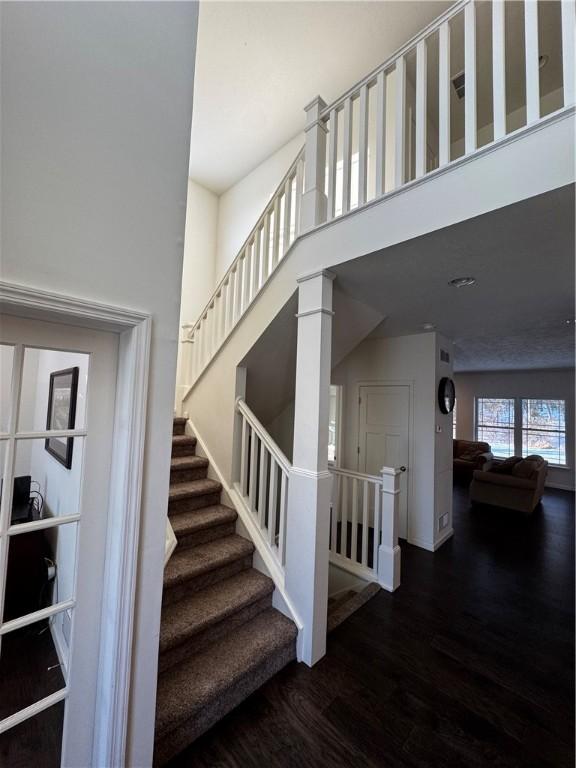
514, 317
259, 63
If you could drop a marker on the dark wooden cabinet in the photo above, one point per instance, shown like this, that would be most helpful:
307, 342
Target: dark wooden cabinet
27, 585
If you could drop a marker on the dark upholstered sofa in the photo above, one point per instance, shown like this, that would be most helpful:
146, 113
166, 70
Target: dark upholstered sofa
468, 456
514, 484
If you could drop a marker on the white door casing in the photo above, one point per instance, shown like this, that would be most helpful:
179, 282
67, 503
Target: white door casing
90, 518
124, 504
384, 436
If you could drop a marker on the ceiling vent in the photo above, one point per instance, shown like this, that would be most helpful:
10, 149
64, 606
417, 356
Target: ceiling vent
458, 83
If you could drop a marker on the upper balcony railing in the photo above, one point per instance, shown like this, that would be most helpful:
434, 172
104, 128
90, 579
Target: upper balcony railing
481, 72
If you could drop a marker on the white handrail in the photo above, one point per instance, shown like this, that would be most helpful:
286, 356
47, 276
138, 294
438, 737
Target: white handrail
280, 457
388, 63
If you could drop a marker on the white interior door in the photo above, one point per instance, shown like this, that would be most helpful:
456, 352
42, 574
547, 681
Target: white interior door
383, 441
57, 395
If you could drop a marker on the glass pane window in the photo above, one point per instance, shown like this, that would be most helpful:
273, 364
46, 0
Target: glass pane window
333, 424
30, 668
495, 424
544, 429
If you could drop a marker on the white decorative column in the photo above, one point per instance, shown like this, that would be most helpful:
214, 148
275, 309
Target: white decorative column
310, 485
389, 551
314, 206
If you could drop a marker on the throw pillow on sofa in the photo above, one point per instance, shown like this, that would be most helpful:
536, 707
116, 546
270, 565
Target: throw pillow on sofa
506, 466
524, 469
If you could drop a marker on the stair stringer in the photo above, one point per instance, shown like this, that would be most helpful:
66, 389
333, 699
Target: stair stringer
262, 559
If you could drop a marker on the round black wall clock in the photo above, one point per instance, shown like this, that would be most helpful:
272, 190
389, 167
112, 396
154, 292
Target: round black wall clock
446, 395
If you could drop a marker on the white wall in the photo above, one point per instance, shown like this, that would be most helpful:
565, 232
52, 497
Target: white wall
199, 270
414, 360
240, 207
96, 112
553, 384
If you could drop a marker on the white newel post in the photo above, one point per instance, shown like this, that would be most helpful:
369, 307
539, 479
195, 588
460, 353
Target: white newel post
389, 551
310, 485
314, 207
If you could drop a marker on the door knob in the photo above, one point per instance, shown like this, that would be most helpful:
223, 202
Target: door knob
402, 469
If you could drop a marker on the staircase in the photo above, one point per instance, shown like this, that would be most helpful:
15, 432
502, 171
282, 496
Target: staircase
220, 638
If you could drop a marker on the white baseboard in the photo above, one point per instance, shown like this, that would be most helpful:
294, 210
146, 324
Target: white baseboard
420, 543
59, 644
432, 547
560, 486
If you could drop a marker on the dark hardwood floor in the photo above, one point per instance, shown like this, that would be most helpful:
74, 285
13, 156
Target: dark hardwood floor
29, 672
469, 663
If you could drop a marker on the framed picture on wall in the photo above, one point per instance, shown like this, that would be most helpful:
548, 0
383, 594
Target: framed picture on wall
62, 413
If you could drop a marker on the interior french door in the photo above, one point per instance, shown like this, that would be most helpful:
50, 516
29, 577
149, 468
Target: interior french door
53, 522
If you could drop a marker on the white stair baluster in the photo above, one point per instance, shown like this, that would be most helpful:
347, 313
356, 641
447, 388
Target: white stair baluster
532, 64
333, 164
272, 500
363, 146
347, 155
499, 68
568, 45
399, 158
365, 523
354, 543
421, 108
470, 127
380, 133
444, 95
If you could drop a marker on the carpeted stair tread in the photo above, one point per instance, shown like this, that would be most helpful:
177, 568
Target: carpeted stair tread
179, 420
193, 488
183, 440
188, 462
200, 519
194, 614
205, 678
186, 564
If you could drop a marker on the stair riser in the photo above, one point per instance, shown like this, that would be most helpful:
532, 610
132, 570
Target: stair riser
177, 592
170, 657
173, 742
178, 429
189, 504
206, 535
187, 475
183, 450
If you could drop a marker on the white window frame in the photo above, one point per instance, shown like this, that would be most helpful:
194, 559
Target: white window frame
518, 427
554, 431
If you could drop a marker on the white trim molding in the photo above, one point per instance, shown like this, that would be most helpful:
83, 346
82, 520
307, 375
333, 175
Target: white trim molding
124, 505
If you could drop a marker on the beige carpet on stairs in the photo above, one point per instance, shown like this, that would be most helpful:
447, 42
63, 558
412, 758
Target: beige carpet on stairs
220, 637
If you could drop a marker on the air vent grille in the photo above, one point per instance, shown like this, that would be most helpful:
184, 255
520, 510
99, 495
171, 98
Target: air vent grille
444, 356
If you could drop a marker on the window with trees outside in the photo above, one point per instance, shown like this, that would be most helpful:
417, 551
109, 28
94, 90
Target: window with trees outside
544, 429
495, 424
523, 426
